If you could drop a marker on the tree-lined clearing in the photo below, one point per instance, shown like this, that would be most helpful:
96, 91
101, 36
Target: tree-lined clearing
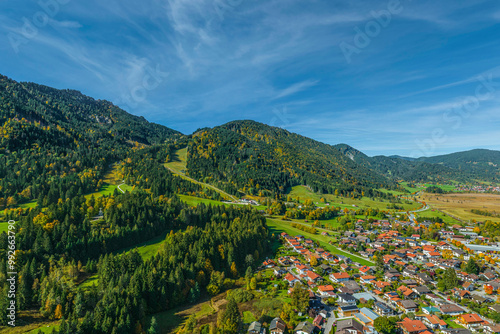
304, 193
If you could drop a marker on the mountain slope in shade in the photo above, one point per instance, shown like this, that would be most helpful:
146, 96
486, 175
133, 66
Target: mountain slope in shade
469, 166
259, 158
479, 163
73, 114
58, 143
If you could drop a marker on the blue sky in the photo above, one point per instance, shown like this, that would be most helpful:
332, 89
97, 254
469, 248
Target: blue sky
387, 77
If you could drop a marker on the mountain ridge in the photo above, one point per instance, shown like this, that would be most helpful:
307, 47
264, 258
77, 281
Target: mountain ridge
241, 155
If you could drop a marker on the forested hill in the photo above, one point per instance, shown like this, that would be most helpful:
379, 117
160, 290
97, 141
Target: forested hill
72, 114
469, 166
480, 163
260, 159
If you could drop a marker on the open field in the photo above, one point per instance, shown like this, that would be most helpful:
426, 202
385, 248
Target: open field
178, 167
179, 161
445, 187
303, 193
461, 204
192, 200
148, 248
435, 213
145, 249
171, 320
30, 322
411, 189
4, 227
105, 190
277, 226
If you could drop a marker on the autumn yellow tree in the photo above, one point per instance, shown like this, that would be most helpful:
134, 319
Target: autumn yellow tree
447, 254
58, 313
234, 270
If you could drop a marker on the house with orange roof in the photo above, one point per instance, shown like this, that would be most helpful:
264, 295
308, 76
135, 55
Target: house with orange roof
339, 277
326, 290
380, 284
408, 326
328, 256
407, 292
433, 254
434, 322
302, 269
312, 276
365, 270
367, 279
291, 279
470, 320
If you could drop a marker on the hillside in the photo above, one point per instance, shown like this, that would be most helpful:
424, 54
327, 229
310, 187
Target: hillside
470, 166
479, 163
57, 143
259, 159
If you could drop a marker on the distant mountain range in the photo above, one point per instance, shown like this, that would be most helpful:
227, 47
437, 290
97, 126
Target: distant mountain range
248, 155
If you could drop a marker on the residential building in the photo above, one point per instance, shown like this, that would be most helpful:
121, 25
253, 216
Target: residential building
255, 328
451, 309
349, 326
305, 327
470, 320
408, 326
366, 316
277, 326
383, 309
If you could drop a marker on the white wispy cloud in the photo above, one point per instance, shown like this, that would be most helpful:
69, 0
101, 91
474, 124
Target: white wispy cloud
65, 24
295, 88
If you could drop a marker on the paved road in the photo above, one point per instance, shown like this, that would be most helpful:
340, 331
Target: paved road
331, 320
121, 188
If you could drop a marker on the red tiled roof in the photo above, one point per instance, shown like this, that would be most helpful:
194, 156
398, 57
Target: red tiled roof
341, 275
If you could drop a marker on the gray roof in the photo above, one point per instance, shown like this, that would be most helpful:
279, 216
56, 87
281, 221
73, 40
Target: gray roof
368, 313
255, 326
305, 327
408, 304
277, 323
349, 324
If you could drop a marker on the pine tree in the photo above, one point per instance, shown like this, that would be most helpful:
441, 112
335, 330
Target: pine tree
153, 329
472, 267
231, 318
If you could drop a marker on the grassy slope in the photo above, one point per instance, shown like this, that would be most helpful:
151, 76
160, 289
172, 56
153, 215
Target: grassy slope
277, 226
172, 319
178, 167
436, 213
148, 248
4, 227
179, 161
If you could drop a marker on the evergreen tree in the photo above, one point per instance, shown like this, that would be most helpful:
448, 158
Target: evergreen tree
231, 318
472, 267
153, 329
